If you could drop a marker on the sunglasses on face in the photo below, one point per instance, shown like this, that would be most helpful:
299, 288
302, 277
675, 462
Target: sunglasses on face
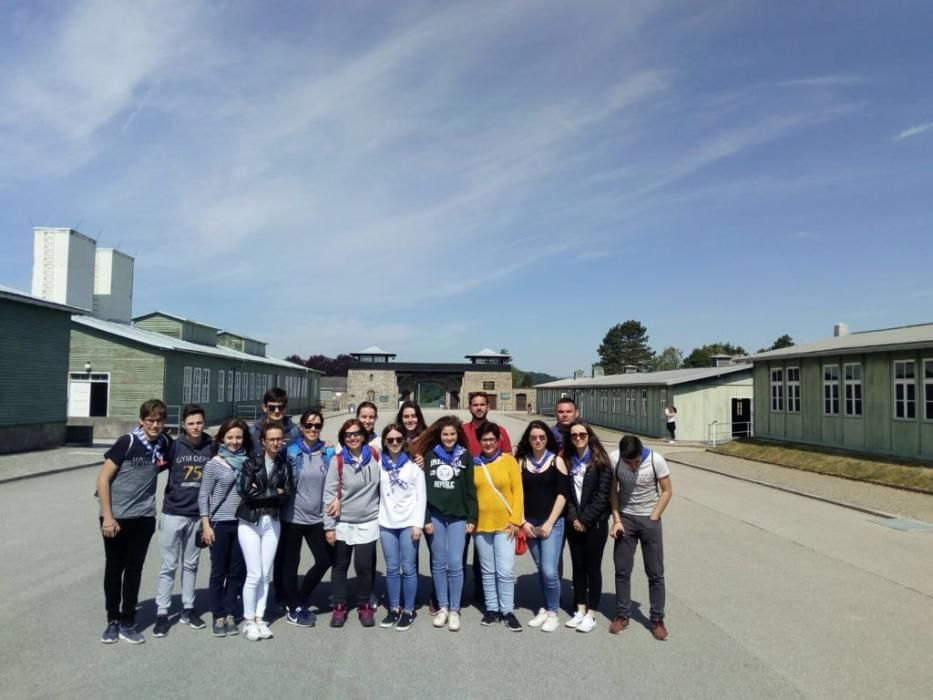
394, 441
578, 436
354, 434
274, 407
313, 426
538, 438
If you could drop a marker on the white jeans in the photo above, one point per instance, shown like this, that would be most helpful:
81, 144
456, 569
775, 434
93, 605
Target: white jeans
258, 543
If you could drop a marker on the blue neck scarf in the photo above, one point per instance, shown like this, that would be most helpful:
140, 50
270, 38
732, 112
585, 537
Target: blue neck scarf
357, 462
450, 458
544, 460
305, 452
154, 448
394, 468
234, 459
579, 463
483, 459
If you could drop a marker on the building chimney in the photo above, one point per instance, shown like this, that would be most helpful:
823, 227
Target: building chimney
630, 369
579, 374
840, 329
721, 360
598, 371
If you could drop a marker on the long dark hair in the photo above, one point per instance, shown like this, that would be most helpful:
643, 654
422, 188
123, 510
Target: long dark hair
422, 425
431, 437
523, 450
398, 428
598, 459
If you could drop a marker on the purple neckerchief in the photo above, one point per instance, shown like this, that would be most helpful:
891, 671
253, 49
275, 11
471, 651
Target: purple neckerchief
451, 458
579, 463
365, 457
393, 468
154, 449
544, 460
483, 459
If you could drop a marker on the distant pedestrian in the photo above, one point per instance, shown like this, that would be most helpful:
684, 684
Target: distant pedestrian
126, 488
670, 417
452, 512
546, 487
402, 504
587, 514
303, 515
265, 484
218, 501
641, 490
353, 529
501, 503
178, 527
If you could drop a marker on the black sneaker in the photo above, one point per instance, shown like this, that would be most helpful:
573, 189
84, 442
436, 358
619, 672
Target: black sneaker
219, 628
162, 626
391, 619
190, 617
405, 621
512, 623
490, 618
111, 635
129, 633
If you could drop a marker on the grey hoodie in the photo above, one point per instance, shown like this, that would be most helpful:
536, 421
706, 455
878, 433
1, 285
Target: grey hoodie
359, 502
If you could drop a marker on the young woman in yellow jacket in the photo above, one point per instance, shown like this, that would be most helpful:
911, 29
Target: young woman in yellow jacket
498, 480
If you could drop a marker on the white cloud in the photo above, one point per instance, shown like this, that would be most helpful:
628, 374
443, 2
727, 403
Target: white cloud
914, 131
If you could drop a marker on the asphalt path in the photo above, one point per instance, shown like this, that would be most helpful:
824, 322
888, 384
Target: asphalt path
770, 595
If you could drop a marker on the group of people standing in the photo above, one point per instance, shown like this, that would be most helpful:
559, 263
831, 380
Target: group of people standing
254, 495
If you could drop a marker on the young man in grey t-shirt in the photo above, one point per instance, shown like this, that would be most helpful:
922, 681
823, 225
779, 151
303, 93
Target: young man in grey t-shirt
641, 490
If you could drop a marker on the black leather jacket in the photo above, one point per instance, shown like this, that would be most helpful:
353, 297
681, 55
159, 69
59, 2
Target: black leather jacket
263, 492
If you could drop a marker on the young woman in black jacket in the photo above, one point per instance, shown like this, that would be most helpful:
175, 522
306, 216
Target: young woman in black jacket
587, 520
264, 486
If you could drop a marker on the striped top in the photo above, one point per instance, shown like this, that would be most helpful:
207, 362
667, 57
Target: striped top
218, 476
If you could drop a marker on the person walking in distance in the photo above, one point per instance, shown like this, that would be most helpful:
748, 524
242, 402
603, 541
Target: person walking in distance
641, 490
670, 417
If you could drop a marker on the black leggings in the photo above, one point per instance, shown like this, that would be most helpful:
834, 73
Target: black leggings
322, 552
124, 556
363, 556
586, 556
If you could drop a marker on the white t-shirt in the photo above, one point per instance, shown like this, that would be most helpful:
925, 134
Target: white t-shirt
638, 489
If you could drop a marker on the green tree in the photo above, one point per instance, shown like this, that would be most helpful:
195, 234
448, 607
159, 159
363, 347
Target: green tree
702, 356
785, 341
625, 344
669, 358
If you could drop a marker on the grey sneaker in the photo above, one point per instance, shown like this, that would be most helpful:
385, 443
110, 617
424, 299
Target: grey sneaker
111, 635
129, 633
231, 626
161, 627
219, 628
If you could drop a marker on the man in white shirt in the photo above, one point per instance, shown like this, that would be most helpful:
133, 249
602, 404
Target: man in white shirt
641, 490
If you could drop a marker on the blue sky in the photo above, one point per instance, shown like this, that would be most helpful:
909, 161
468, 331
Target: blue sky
436, 178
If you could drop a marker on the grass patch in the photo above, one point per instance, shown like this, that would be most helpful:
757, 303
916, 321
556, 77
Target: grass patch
885, 471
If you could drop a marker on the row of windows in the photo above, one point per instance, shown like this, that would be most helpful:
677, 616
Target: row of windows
631, 397
236, 385
785, 389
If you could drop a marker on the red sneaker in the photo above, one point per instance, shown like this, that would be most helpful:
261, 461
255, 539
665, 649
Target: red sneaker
659, 630
340, 615
367, 617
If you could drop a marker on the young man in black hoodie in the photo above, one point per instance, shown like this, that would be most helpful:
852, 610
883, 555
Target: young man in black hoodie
179, 523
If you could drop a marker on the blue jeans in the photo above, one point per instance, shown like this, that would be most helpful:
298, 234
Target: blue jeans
497, 561
447, 559
401, 553
547, 553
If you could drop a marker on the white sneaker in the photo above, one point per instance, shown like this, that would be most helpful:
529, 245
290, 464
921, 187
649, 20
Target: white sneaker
264, 631
251, 632
441, 618
453, 622
576, 619
670, 442
588, 624
551, 623
538, 619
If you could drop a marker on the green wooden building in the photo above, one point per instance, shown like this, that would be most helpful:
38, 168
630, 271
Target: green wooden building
115, 367
867, 392
33, 371
713, 403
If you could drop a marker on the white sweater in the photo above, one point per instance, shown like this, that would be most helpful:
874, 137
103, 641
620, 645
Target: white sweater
402, 507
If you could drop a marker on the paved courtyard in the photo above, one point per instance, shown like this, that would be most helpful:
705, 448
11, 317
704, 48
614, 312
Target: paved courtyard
770, 595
